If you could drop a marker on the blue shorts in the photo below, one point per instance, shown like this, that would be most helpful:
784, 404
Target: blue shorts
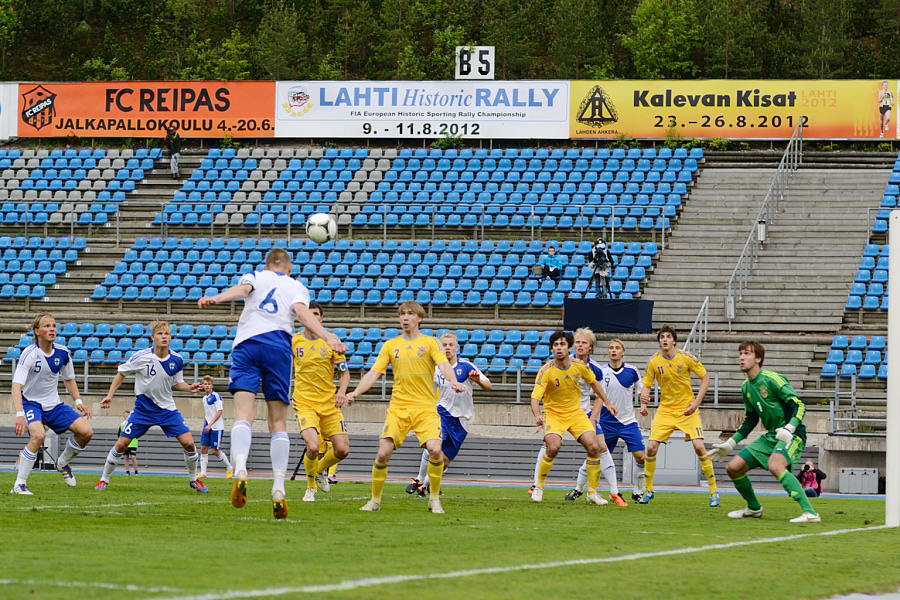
58, 418
597, 428
452, 433
253, 362
146, 414
613, 431
211, 438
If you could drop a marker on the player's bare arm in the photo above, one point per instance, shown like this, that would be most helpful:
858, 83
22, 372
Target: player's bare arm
645, 400
448, 374
314, 325
18, 407
481, 380
340, 398
116, 382
367, 381
235, 292
693, 406
536, 411
80, 406
600, 401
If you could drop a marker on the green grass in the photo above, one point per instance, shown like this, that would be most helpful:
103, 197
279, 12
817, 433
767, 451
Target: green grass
158, 535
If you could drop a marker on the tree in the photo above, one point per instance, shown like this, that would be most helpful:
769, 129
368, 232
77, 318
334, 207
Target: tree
227, 62
733, 35
10, 24
279, 44
666, 39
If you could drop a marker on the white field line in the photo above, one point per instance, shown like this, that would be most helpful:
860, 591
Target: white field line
91, 584
377, 581
191, 501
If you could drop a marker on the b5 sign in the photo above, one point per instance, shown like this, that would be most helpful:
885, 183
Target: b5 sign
146, 109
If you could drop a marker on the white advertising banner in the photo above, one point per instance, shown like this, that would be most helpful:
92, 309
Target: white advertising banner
422, 109
9, 105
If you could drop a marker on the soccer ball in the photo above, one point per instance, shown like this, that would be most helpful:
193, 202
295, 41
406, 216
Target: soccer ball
321, 228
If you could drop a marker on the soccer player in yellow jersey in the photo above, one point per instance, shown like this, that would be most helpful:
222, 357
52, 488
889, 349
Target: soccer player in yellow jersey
557, 385
671, 368
318, 404
413, 358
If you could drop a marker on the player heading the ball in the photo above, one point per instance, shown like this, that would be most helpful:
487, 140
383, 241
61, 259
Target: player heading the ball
262, 357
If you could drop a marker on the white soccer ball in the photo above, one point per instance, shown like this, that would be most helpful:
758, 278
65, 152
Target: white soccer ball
321, 228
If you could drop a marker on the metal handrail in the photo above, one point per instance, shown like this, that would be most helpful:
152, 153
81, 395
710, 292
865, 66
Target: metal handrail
793, 156
700, 330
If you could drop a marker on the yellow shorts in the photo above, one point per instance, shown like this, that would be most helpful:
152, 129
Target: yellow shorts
664, 423
424, 422
328, 422
576, 423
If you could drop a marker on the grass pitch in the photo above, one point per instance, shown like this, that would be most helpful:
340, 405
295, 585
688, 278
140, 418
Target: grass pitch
155, 538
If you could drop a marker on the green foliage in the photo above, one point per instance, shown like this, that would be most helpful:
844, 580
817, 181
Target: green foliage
234, 40
448, 141
717, 144
228, 141
225, 62
666, 39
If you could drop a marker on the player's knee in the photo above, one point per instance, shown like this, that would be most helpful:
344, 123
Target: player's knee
38, 436
734, 469
312, 450
341, 453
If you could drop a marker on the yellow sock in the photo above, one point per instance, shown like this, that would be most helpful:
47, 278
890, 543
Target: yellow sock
593, 469
649, 470
328, 460
332, 470
707, 467
434, 471
379, 475
543, 470
311, 465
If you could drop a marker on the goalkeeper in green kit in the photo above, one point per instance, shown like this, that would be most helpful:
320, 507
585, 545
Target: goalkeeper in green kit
770, 398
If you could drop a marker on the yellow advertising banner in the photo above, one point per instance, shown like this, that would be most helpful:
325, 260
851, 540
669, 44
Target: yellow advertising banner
733, 109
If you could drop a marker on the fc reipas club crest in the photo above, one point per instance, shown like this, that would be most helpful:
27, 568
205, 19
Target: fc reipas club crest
597, 109
38, 107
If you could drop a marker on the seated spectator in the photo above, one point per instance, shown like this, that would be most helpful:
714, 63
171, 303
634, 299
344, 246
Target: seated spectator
551, 264
811, 479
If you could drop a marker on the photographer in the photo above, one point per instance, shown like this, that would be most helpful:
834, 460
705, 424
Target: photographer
601, 261
811, 479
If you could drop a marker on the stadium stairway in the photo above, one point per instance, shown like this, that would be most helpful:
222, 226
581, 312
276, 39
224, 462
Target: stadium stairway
799, 284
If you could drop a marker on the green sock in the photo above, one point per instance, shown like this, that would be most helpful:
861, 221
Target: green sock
795, 491
745, 489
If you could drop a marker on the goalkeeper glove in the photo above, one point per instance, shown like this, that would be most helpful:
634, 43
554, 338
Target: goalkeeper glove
722, 450
785, 434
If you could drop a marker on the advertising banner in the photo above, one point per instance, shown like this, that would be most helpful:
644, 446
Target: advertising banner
8, 115
734, 109
203, 109
422, 109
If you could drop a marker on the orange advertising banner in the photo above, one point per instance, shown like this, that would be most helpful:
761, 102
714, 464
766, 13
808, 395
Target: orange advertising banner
199, 109
733, 109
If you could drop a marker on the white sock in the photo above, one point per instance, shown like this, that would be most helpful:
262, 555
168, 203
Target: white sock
608, 468
241, 437
426, 481
112, 459
638, 478
581, 481
26, 463
224, 458
71, 451
190, 461
537, 465
204, 461
423, 465
279, 449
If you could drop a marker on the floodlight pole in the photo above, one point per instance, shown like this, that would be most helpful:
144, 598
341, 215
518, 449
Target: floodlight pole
892, 449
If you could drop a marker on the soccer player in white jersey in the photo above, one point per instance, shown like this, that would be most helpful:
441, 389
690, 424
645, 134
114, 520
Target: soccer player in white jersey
35, 396
584, 345
261, 357
618, 379
157, 371
213, 428
455, 408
